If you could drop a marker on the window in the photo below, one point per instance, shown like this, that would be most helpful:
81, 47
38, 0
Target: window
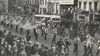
95, 6
45, 2
84, 5
90, 5
79, 4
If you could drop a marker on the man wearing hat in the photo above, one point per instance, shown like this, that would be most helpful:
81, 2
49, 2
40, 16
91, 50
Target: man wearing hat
76, 42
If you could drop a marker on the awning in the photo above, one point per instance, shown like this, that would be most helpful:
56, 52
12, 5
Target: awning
85, 12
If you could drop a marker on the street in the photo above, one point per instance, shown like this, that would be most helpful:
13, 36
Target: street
49, 39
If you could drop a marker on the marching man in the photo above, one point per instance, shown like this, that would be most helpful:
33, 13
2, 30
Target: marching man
76, 42
46, 32
98, 46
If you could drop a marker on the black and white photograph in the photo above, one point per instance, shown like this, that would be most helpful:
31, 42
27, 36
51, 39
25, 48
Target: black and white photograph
49, 27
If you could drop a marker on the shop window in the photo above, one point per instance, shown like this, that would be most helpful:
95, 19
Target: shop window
79, 4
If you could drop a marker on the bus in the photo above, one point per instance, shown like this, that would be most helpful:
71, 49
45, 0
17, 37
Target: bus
40, 20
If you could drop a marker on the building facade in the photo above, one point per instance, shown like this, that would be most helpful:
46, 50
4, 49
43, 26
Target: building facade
87, 5
29, 6
88, 10
43, 4
55, 6
4, 5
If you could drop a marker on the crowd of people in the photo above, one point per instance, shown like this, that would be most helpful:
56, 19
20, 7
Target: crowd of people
21, 45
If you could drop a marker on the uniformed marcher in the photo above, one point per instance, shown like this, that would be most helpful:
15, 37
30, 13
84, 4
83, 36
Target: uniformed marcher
90, 47
98, 50
67, 43
43, 30
55, 31
85, 47
60, 44
36, 34
54, 39
76, 42
46, 32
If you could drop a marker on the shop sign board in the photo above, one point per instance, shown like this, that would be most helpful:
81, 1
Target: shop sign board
70, 2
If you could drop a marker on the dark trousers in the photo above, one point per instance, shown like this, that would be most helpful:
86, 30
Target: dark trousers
67, 48
97, 52
28, 32
16, 27
75, 49
89, 51
11, 26
42, 33
85, 51
21, 29
45, 37
36, 36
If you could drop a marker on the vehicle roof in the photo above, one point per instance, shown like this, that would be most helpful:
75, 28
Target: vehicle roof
52, 16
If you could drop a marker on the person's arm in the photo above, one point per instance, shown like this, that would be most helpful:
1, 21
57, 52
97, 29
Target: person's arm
95, 45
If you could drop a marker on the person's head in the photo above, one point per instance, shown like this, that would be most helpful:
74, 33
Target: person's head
22, 49
14, 43
42, 45
2, 48
60, 39
91, 40
47, 48
9, 46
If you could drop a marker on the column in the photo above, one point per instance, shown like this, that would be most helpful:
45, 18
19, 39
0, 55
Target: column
93, 5
55, 8
93, 9
98, 6
78, 5
42, 10
58, 8
87, 6
82, 5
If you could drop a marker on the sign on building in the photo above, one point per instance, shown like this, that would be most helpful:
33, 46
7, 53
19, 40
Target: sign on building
71, 2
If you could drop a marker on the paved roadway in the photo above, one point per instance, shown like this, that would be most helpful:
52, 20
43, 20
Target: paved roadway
49, 39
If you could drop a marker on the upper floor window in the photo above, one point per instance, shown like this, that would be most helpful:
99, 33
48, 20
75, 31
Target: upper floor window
90, 5
95, 6
84, 5
79, 4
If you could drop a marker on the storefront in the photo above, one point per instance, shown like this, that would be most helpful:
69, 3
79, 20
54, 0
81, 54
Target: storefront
66, 5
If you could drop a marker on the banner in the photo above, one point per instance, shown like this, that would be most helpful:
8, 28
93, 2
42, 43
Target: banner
70, 2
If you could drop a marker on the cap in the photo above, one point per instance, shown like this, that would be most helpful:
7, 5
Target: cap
30, 42
37, 43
